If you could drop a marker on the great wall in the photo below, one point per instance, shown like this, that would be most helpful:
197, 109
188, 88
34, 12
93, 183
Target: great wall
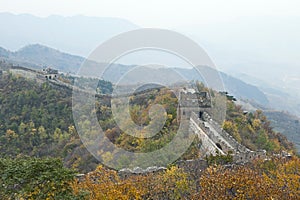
195, 107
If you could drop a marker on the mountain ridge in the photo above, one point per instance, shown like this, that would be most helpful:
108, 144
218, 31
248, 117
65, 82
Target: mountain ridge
39, 56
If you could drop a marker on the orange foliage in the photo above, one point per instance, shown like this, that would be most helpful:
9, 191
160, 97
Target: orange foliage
276, 178
272, 179
106, 184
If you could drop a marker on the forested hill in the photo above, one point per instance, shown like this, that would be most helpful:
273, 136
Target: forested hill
36, 120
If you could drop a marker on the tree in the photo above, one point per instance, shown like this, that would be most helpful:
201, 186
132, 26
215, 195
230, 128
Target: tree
32, 178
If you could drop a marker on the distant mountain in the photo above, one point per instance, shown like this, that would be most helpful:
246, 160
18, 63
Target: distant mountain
263, 49
280, 97
38, 56
253, 45
235, 50
234, 86
78, 34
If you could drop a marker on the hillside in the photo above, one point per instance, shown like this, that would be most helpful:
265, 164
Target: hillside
254, 130
286, 124
36, 120
41, 115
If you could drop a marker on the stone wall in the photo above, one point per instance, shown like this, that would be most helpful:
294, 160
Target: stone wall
244, 157
214, 138
208, 146
235, 144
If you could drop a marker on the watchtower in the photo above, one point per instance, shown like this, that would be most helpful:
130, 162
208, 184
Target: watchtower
50, 73
192, 101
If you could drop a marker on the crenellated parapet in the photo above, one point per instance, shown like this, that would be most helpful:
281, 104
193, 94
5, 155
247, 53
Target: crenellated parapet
215, 139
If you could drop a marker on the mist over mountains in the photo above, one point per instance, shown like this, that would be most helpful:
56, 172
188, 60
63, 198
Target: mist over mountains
78, 35
38, 56
262, 52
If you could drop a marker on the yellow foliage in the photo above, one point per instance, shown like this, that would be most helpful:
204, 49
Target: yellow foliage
258, 181
106, 184
276, 178
256, 123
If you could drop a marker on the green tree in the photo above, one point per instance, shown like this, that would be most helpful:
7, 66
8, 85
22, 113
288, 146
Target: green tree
32, 178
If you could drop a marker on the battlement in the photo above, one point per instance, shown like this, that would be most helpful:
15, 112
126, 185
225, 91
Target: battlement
50, 73
192, 99
49, 70
215, 139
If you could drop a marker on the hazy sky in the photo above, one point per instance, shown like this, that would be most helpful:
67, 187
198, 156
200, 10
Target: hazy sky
156, 13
